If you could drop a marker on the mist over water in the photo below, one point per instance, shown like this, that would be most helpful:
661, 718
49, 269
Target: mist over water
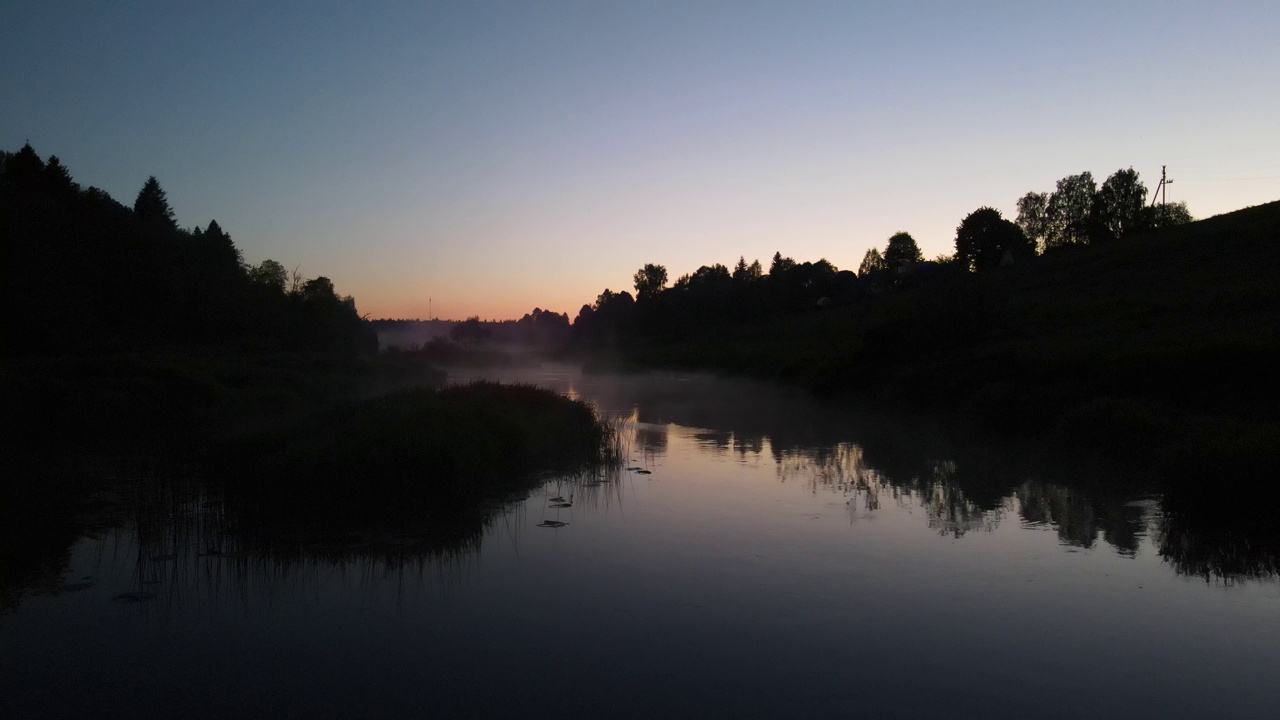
760, 554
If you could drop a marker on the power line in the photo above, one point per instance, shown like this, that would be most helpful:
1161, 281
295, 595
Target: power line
1229, 178
1162, 190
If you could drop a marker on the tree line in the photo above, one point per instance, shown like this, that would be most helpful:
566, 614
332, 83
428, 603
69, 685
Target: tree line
1076, 213
538, 329
84, 272
87, 272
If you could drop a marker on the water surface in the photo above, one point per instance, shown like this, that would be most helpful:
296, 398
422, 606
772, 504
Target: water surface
776, 557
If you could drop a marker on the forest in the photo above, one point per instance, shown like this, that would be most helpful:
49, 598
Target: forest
86, 273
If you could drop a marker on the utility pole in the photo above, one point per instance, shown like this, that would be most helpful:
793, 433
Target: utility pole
430, 316
1162, 190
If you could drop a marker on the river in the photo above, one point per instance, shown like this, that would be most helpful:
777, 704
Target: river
763, 555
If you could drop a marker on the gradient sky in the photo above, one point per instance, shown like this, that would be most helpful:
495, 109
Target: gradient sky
500, 156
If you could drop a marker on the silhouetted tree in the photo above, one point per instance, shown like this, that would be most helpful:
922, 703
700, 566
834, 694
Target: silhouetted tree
218, 247
1070, 211
1119, 205
271, 274
469, 332
609, 300
610, 318
780, 266
586, 316
984, 236
59, 181
542, 327
650, 280
1162, 215
152, 205
99, 202
319, 290
872, 262
25, 169
742, 272
1033, 218
84, 271
901, 252
706, 279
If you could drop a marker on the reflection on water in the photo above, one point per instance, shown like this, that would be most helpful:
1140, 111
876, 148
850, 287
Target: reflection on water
181, 535
1218, 535
962, 489
844, 469
756, 539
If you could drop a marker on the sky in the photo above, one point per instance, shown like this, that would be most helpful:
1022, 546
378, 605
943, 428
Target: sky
476, 158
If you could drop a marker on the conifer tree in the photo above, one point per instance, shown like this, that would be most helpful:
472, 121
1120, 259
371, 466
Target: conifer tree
152, 205
24, 168
220, 247
59, 179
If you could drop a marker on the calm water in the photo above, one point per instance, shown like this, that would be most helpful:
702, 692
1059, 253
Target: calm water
779, 559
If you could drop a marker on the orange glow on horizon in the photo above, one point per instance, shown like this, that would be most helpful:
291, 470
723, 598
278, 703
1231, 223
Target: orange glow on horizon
462, 308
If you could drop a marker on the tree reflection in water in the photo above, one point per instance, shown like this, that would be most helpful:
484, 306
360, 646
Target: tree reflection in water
186, 542
843, 469
965, 484
176, 543
1080, 515
1215, 534
1224, 540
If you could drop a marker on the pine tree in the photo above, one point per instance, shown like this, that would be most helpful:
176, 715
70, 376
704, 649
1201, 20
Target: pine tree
25, 169
220, 247
152, 206
58, 179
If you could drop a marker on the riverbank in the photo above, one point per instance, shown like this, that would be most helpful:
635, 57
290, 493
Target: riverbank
298, 449
182, 397
194, 404
427, 456
1154, 348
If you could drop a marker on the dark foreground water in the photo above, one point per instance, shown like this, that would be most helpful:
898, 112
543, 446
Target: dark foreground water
776, 558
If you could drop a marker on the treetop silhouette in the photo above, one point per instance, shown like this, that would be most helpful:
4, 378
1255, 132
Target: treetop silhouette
902, 252
984, 239
152, 205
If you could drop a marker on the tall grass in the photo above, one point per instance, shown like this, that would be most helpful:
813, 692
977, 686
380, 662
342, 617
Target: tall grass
445, 455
